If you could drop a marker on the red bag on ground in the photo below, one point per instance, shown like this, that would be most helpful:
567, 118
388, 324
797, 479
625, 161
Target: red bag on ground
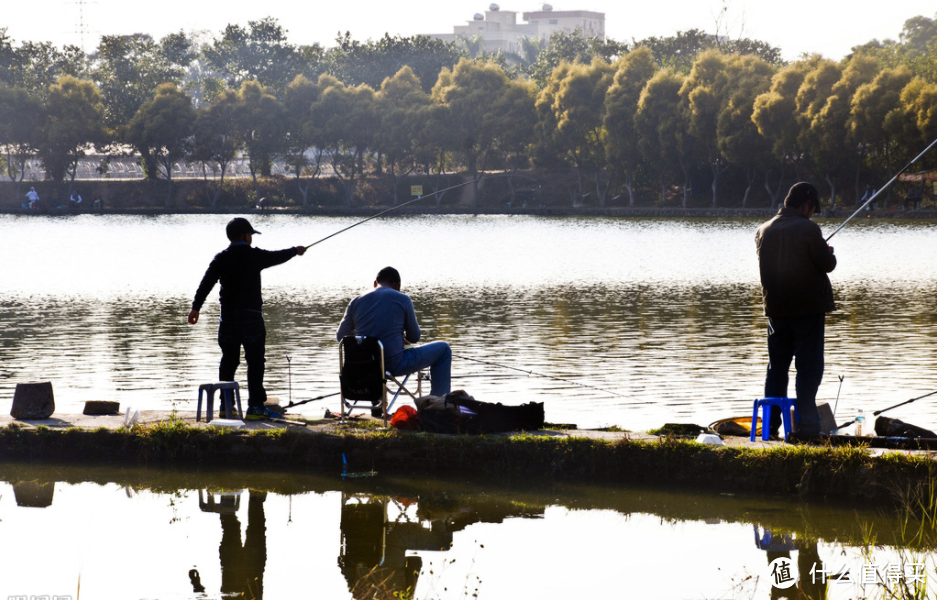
406, 418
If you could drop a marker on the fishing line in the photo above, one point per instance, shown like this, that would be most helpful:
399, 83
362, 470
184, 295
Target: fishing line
393, 208
494, 364
878, 412
883, 188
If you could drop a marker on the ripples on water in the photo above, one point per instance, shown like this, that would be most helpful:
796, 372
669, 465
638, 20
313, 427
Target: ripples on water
665, 313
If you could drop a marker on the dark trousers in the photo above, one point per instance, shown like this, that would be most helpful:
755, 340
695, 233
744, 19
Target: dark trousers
243, 327
800, 339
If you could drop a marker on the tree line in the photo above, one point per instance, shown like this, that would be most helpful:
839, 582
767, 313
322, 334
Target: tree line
635, 122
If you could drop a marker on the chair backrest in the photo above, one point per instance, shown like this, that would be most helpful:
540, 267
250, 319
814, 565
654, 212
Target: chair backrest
362, 368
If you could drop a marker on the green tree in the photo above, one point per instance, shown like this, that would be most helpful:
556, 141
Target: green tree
578, 107
399, 104
633, 71
162, 129
301, 95
668, 150
515, 117
880, 124
919, 98
371, 62
128, 69
468, 91
259, 52
217, 141
824, 102
776, 116
345, 119
34, 66
261, 124
74, 120
21, 118
704, 94
573, 47
738, 138
435, 142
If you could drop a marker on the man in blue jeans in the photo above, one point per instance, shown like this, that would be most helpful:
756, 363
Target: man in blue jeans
388, 315
238, 269
794, 260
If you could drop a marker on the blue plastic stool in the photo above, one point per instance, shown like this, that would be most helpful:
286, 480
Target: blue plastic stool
230, 393
784, 404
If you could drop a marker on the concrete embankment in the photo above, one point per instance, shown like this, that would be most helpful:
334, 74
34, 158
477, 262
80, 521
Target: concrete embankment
809, 472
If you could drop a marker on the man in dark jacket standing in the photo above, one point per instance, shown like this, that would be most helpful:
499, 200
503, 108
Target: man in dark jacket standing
238, 268
794, 260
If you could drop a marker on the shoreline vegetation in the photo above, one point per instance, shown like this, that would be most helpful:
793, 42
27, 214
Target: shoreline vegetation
243, 116
142, 198
851, 474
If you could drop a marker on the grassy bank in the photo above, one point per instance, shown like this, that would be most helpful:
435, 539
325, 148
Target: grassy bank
798, 471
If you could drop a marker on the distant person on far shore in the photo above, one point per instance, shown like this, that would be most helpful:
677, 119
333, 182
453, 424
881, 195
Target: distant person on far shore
869, 192
75, 201
33, 199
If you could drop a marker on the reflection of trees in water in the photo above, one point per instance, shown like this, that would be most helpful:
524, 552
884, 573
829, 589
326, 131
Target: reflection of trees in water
378, 531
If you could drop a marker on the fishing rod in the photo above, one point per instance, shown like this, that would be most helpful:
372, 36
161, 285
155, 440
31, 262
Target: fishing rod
883, 188
835, 406
393, 208
292, 404
494, 364
878, 412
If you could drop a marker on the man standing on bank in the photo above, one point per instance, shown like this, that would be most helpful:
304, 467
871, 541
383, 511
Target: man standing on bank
388, 315
238, 268
794, 260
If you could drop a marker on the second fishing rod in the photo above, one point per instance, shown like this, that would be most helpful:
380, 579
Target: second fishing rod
434, 194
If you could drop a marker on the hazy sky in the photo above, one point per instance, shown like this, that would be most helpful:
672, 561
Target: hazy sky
828, 27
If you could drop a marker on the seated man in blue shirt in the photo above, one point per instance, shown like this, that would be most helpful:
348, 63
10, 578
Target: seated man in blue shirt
387, 314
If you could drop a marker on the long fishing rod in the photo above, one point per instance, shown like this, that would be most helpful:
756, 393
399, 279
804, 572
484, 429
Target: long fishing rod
292, 404
882, 189
878, 412
399, 206
494, 364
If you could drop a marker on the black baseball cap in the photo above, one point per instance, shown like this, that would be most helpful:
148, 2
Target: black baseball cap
238, 226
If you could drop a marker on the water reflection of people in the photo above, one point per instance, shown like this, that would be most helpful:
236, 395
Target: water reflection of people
779, 545
373, 554
242, 565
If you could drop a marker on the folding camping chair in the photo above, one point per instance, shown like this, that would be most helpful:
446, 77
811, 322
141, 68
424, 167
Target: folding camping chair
364, 379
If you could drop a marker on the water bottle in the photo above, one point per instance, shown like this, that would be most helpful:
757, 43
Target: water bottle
860, 421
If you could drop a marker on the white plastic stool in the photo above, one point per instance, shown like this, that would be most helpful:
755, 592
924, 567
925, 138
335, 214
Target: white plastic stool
230, 393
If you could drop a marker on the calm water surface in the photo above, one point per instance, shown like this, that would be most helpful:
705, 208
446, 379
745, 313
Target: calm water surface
664, 313
131, 533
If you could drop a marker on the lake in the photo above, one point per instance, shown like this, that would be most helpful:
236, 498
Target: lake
638, 321
119, 533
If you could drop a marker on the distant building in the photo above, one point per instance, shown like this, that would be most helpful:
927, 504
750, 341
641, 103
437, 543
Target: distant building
499, 29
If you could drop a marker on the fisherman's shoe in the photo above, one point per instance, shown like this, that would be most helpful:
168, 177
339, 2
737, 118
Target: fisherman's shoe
256, 413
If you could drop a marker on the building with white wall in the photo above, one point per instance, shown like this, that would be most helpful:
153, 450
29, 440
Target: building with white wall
500, 30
